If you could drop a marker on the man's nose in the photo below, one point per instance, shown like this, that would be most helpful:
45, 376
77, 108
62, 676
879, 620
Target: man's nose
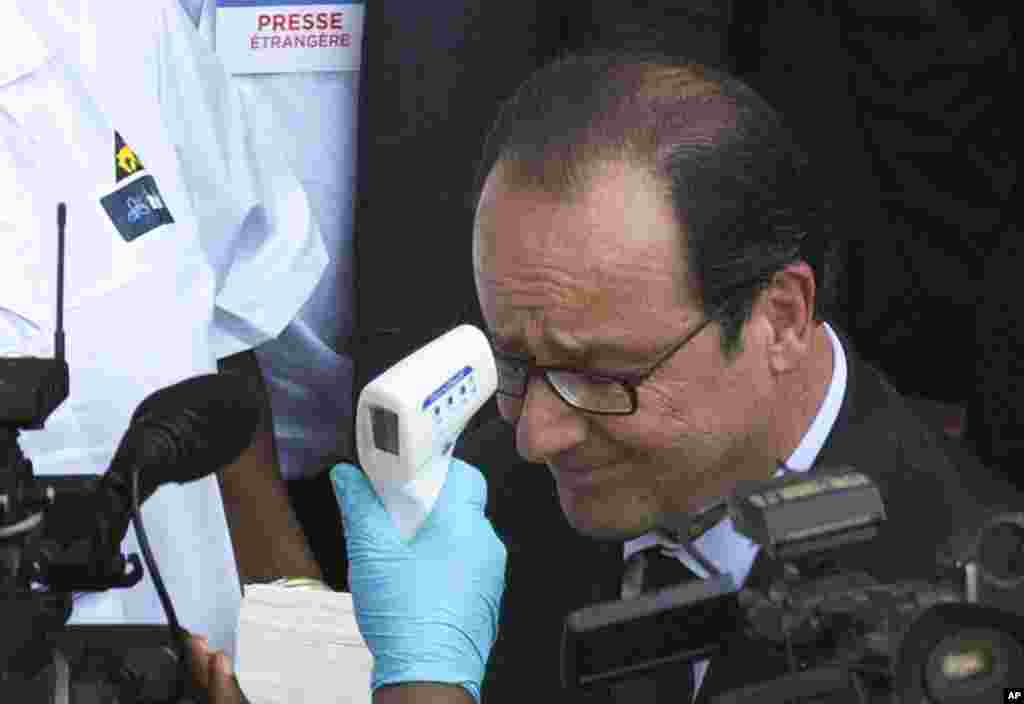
546, 424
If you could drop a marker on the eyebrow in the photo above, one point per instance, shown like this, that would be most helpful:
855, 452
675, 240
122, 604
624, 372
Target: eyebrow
583, 352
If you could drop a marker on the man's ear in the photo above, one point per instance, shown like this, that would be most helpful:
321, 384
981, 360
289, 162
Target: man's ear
787, 304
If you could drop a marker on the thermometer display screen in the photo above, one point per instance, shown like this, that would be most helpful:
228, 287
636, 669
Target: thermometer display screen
385, 429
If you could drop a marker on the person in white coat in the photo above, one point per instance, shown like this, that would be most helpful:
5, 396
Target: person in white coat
189, 240
308, 374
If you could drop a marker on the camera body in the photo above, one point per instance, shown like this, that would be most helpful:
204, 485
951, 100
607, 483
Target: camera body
45, 537
42, 659
844, 636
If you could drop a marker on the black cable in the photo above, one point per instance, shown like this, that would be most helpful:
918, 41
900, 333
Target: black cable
180, 635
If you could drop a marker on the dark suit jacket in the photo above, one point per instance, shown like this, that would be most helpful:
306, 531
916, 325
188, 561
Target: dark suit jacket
930, 485
995, 409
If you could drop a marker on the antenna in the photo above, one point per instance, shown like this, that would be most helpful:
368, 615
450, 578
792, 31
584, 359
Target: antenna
58, 335
31, 388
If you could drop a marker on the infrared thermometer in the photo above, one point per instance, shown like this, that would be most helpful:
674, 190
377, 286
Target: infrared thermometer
409, 417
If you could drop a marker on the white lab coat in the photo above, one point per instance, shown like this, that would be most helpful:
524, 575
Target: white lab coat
309, 383
241, 257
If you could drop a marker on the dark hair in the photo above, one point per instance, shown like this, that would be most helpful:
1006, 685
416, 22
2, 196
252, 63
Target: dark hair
734, 174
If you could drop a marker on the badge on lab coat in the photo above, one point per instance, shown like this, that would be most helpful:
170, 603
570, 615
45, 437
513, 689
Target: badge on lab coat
135, 206
289, 36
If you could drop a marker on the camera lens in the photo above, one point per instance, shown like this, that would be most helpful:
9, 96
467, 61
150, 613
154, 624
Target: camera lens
959, 653
972, 665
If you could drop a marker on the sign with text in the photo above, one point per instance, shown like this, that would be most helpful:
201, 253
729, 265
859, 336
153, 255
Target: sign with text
289, 36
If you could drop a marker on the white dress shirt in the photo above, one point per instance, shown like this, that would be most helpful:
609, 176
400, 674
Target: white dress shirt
729, 551
239, 259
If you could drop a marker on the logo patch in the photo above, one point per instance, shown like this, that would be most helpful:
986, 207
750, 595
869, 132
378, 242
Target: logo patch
136, 208
126, 161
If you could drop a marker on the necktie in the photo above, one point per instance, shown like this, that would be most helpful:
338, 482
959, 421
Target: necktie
649, 570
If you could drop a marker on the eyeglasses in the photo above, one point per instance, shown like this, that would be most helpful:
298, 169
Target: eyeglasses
603, 394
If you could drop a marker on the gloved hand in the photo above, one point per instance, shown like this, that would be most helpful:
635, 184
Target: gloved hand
428, 610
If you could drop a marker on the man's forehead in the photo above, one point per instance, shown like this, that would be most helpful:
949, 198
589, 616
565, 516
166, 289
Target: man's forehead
618, 248
595, 178
618, 207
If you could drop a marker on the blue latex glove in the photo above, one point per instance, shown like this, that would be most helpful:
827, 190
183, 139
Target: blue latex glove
428, 610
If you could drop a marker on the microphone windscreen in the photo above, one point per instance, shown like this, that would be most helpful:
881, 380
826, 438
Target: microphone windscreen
209, 420
180, 433
217, 393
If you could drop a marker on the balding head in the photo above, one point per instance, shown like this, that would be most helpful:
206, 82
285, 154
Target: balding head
634, 112
731, 172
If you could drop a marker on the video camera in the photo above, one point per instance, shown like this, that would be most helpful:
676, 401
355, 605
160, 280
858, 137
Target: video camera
844, 636
61, 534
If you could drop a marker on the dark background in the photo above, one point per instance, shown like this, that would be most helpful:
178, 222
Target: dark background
906, 106
907, 103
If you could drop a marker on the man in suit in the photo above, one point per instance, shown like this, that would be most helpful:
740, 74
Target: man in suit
553, 570
654, 272
655, 277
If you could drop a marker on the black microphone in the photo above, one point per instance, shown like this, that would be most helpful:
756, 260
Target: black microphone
180, 433
177, 434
